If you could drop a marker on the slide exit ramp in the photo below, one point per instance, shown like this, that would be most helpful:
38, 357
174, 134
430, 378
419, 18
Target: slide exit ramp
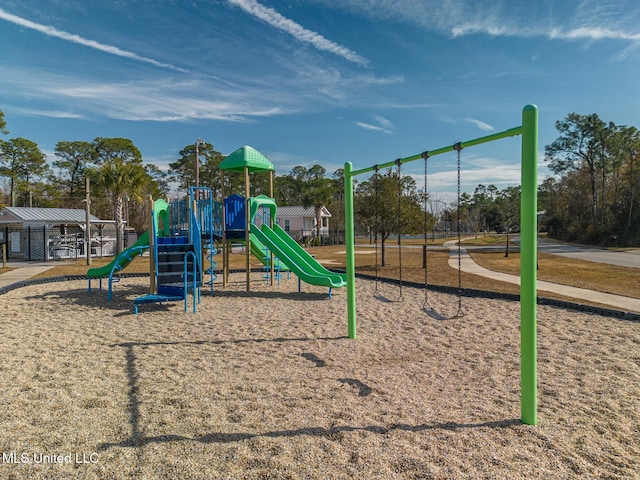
118, 264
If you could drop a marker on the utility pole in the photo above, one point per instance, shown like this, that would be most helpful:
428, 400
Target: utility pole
87, 232
199, 142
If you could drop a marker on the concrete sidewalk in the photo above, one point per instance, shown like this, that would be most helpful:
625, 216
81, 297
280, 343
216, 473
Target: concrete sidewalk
23, 271
468, 265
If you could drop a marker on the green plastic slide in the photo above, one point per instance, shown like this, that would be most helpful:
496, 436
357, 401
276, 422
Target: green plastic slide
318, 267
299, 261
258, 251
122, 260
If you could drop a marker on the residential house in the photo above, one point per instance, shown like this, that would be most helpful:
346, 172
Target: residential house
300, 222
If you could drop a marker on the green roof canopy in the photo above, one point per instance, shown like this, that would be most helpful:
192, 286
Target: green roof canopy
246, 157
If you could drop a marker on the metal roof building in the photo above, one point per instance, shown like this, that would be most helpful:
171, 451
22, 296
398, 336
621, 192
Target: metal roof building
46, 216
50, 233
298, 211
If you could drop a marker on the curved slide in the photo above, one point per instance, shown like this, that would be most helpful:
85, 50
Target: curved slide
307, 268
122, 260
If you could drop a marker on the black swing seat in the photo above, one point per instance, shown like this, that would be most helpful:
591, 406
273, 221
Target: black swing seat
433, 314
382, 298
437, 316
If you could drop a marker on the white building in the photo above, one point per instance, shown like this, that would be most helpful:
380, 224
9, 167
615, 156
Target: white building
300, 222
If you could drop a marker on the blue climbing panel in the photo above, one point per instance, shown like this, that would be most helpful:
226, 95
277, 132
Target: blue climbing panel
235, 211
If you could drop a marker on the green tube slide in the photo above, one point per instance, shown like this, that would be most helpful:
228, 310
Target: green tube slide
122, 260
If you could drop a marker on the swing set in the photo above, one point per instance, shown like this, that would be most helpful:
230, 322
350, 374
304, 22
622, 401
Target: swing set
426, 306
528, 248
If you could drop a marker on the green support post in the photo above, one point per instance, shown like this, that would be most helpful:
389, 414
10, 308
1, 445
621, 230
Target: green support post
350, 241
528, 266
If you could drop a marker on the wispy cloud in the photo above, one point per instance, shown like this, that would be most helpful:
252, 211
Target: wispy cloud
554, 33
178, 98
586, 20
276, 20
384, 125
375, 128
47, 113
156, 100
593, 33
73, 38
480, 124
165, 102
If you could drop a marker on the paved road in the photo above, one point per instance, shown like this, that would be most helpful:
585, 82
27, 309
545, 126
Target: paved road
629, 258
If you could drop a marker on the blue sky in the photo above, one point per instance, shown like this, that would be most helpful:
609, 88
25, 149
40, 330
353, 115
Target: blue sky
318, 81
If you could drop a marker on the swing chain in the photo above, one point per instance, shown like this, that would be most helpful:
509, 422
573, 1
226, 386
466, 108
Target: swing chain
425, 306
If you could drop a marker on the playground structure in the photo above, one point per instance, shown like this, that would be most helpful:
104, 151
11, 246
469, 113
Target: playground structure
182, 238
261, 236
528, 249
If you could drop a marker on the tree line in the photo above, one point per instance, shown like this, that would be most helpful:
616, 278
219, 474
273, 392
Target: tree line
592, 198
